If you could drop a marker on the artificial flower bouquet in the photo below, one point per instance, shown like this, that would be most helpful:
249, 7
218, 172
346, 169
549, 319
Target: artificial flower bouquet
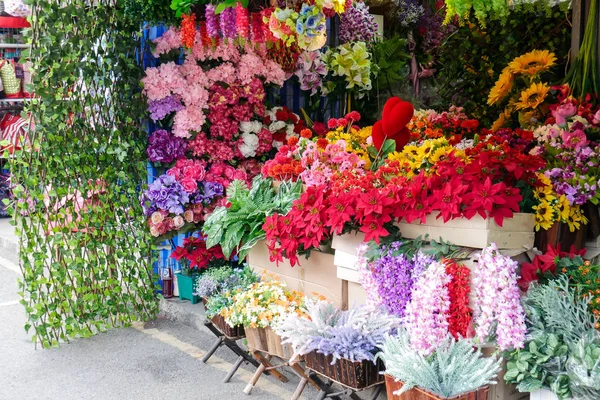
195, 257
332, 340
454, 125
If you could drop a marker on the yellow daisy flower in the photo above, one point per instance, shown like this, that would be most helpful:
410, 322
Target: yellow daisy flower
563, 207
544, 216
533, 96
533, 63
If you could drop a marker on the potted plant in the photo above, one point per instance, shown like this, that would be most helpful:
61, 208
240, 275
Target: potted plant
257, 308
455, 370
340, 345
194, 258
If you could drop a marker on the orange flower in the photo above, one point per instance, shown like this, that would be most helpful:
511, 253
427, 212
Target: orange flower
292, 141
306, 133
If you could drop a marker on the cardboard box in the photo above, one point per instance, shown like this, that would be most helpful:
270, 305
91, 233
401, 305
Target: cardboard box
317, 274
543, 394
477, 232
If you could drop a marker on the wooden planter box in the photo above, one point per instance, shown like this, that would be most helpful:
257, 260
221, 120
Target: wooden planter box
235, 332
317, 274
393, 385
559, 233
353, 374
477, 232
265, 339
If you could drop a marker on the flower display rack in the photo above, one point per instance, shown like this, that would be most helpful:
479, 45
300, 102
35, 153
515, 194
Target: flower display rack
393, 385
265, 346
477, 232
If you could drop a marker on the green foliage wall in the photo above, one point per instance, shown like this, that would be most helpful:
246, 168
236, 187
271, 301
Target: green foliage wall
85, 252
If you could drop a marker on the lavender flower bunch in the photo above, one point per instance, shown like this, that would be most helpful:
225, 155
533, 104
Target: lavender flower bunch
159, 109
165, 194
310, 70
409, 12
395, 276
165, 147
356, 334
357, 24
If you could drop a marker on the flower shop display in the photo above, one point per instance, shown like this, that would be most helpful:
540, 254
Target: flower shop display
237, 226
453, 371
340, 345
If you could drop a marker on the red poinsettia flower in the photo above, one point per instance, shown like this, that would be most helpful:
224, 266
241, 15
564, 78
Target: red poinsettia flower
373, 229
448, 199
482, 198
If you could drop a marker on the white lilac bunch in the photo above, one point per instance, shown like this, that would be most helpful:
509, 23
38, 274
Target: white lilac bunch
357, 24
497, 306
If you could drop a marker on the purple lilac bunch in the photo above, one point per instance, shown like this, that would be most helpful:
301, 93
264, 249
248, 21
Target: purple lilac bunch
433, 31
310, 70
165, 194
164, 147
206, 192
212, 21
395, 276
357, 24
497, 306
426, 317
409, 12
159, 109
228, 27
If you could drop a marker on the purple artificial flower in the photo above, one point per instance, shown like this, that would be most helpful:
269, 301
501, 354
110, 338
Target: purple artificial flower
165, 194
164, 147
159, 109
207, 193
310, 70
228, 27
212, 22
357, 24
410, 11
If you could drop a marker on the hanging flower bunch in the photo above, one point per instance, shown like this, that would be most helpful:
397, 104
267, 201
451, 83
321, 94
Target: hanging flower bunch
311, 70
195, 253
357, 24
498, 310
261, 304
352, 63
426, 319
409, 12
460, 313
522, 84
453, 125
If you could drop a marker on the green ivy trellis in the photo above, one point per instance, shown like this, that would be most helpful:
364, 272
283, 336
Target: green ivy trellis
85, 252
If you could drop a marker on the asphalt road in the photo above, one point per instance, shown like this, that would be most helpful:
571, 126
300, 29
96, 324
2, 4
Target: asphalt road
157, 360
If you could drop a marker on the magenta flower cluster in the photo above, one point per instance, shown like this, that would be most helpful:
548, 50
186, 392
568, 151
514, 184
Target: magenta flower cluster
497, 307
357, 24
164, 147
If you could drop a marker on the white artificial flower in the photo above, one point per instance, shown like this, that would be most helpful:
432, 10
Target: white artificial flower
277, 125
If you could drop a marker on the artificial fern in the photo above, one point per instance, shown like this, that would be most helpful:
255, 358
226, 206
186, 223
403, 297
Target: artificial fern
455, 368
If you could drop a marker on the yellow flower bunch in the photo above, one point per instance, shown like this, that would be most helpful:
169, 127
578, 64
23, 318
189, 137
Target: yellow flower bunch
262, 303
522, 78
356, 141
417, 157
553, 208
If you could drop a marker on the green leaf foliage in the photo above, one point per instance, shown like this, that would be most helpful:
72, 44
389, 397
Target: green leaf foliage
85, 252
239, 227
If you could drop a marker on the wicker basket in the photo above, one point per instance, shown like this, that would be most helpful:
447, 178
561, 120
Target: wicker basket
353, 374
392, 385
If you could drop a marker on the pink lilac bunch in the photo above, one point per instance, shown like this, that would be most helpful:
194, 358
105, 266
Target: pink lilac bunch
164, 147
426, 314
497, 305
357, 24
366, 278
320, 164
311, 70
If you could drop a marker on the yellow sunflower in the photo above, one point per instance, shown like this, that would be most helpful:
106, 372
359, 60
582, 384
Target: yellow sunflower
576, 219
533, 63
502, 87
533, 96
499, 123
543, 194
544, 216
563, 207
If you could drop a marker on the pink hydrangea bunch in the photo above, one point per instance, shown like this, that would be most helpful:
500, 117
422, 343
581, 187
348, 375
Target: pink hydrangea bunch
426, 316
497, 300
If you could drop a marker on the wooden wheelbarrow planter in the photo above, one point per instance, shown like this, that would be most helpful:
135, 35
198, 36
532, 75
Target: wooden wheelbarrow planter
265, 346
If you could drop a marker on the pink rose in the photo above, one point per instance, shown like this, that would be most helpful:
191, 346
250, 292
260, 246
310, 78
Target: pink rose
154, 231
240, 175
157, 218
189, 185
189, 216
575, 139
596, 119
229, 173
178, 221
563, 112
195, 172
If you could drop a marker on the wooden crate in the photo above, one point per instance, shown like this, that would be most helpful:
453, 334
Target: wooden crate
317, 274
266, 340
417, 393
477, 232
353, 374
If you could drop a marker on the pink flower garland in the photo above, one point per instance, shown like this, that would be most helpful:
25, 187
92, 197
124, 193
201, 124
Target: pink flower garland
426, 314
497, 299
366, 279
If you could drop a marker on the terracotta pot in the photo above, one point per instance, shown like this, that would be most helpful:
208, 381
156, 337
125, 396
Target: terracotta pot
354, 374
417, 393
